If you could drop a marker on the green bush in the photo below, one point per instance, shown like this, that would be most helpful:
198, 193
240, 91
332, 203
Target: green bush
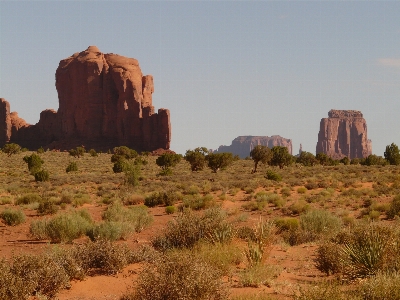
287, 224
47, 207
34, 163
72, 167
62, 228
120, 166
40, 150
125, 152
42, 175
12, 217
110, 231
169, 210
197, 202
11, 149
271, 175
167, 198
93, 153
394, 208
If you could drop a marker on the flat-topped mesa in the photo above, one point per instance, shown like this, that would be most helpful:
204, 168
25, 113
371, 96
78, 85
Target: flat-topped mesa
104, 101
242, 145
334, 113
344, 133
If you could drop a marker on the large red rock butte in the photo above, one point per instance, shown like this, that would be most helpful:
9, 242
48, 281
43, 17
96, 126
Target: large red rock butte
242, 145
104, 101
344, 133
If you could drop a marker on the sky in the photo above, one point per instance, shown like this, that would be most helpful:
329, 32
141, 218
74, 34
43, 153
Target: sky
223, 68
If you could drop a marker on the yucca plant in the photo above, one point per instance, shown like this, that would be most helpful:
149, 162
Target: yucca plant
364, 254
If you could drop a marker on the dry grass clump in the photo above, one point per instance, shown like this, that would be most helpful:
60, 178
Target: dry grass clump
179, 276
12, 217
189, 228
44, 275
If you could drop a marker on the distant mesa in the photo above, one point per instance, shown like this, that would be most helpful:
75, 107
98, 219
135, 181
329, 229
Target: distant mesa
104, 101
344, 133
242, 145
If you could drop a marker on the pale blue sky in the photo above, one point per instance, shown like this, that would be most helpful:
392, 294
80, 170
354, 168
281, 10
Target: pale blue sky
223, 68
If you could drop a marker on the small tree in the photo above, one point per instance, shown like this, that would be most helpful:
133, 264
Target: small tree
392, 154
345, 160
77, 152
126, 152
11, 149
373, 160
72, 167
280, 157
216, 161
168, 160
42, 175
34, 162
307, 159
132, 174
260, 154
196, 158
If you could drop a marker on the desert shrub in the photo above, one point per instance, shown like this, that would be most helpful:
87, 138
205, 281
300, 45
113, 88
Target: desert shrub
120, 166
328, 258
246, 233
286, 192
133, 199
11, 149
132, 174
63, 227
394, 208
166, 161
298, 207
367, 251
40, 150
26, 275
126, 152
219, 161
258, 275
254, 205
271, 175
47, 207
169, 210
42, 175
311, 185
12, 217
322, 291
316, 223
189, 228
72, 167
302, 190
287, 224
111, 231
137, 216
197, 202
5, 200
77, 152
93, 153
167, 198
28, 199
179, 277
381, 286
34, 163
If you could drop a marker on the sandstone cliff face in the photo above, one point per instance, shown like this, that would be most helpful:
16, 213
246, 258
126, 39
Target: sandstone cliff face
104, 101
242, 145
344, 133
